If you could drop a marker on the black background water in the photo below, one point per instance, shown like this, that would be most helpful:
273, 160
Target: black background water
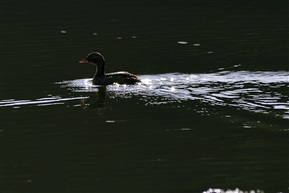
126, 143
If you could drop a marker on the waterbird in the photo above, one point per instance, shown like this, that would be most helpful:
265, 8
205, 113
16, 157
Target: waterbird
102, 78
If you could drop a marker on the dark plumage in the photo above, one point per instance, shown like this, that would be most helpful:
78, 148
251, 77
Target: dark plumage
102, 78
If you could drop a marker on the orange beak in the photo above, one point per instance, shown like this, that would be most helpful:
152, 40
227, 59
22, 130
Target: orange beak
83, 61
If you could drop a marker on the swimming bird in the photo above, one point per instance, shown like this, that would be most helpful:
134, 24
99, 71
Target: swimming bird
102, 78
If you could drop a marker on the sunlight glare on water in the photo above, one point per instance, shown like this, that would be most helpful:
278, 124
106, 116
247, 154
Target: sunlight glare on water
217, 190
260, 92
210, 115
53, 100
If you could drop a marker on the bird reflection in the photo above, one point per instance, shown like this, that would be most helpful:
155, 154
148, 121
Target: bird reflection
95, 101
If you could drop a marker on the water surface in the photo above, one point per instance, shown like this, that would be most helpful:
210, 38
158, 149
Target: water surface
211, 113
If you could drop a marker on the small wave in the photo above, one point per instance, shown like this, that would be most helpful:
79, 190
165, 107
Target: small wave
217, 190
259, 92
254, 91
39, 102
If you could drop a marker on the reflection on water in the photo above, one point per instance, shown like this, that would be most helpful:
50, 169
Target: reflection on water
171, 133
259, 92
52, 100
217, 190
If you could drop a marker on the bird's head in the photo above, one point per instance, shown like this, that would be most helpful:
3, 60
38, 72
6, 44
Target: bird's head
93, 58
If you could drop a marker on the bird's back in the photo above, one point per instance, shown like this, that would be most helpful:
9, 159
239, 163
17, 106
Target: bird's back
117, 77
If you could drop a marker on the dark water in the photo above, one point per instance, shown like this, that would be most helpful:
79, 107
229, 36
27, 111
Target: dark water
211, 113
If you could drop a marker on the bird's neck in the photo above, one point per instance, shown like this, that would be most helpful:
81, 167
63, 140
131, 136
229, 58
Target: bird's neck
99, 71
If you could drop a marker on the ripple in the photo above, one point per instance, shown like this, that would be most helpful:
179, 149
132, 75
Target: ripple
217, 190
39, 102
258, 92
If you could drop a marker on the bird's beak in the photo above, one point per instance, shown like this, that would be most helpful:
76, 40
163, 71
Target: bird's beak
83, 61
